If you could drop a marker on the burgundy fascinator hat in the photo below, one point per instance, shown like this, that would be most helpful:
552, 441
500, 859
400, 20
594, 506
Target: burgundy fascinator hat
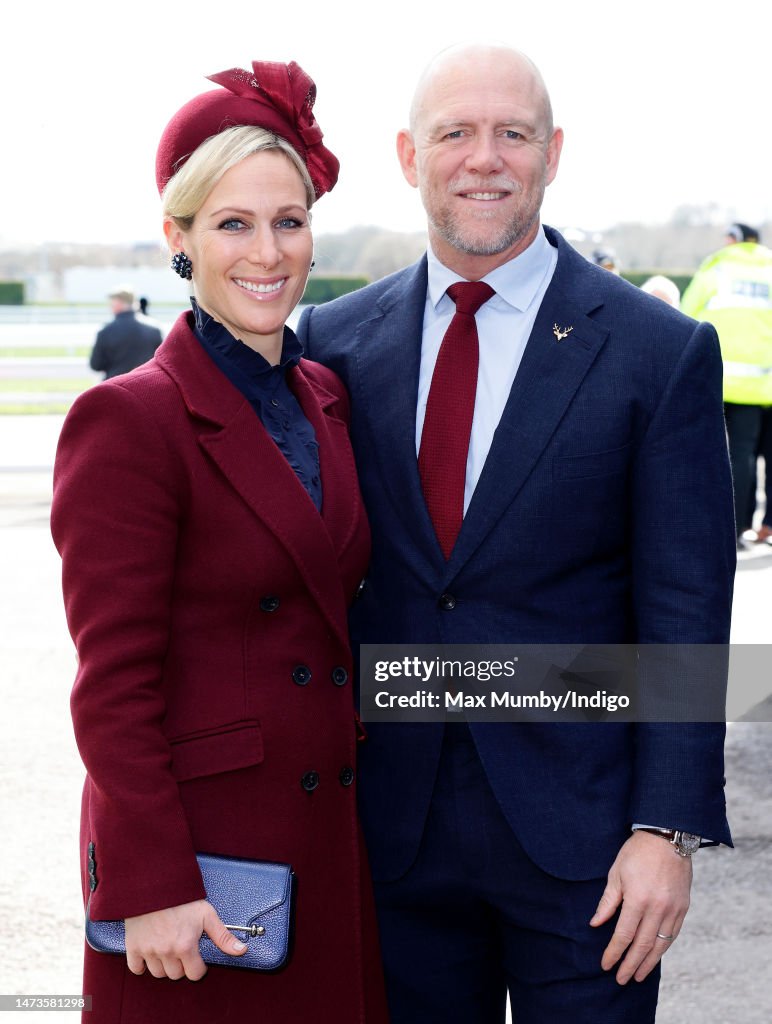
277, 97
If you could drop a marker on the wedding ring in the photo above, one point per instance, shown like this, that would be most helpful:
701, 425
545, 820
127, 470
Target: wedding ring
667, 938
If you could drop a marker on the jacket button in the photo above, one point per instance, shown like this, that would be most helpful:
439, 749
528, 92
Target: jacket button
447, 602
269, 604
346, 776
310, 781
302, 675
339, 676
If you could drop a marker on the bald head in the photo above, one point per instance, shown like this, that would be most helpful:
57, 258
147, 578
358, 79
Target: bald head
481, 149
500, 64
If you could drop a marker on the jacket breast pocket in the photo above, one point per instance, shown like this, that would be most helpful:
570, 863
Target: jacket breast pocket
223, 750
591, 464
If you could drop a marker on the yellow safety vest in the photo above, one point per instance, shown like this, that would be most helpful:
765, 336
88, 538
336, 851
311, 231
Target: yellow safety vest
733, 291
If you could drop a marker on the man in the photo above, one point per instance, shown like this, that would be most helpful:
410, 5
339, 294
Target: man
607, 259
126, 342
732, 290
596, 503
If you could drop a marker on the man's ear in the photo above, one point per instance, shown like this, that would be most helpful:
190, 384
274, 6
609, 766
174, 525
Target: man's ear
406, 154
554, 149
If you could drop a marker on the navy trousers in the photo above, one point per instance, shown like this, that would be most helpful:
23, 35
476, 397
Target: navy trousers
474, 916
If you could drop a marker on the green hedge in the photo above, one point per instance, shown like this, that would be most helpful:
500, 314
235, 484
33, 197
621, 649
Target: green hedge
678, 277
11, 293
324, 289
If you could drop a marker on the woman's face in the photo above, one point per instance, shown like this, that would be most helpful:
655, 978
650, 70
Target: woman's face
251, 248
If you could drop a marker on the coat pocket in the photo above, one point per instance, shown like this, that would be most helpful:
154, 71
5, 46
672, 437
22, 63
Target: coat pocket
227, 749
593, 464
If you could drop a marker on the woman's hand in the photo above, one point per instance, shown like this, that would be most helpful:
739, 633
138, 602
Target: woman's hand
165, 942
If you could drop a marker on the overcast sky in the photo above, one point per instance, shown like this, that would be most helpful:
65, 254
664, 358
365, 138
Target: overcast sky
662, 103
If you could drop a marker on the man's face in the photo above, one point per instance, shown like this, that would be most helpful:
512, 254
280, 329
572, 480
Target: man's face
481, 154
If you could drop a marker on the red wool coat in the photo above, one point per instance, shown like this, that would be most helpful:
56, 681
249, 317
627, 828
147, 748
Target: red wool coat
207, 598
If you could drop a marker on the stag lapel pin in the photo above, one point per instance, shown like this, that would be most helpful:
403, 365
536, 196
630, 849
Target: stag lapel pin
560, 334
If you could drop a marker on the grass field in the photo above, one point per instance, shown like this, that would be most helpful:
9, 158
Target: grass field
36, 385
25, 392
43, 352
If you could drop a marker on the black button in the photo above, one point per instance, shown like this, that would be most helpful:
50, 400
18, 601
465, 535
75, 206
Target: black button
310, 781
339, 676
346, 776
301, 675
447, 602
274, 403
269, 604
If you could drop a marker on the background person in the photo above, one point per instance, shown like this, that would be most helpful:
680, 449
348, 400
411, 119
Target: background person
212, 534
607, 259
580, 493
732, 289
662, 288
125, 343
764, 451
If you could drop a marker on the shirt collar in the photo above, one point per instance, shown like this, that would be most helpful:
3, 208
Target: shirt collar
249, 362
517, 281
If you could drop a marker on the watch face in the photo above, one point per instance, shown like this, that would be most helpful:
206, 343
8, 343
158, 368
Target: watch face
688, 842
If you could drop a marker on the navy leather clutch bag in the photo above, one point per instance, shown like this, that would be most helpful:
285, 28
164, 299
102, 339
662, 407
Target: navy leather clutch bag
255, 900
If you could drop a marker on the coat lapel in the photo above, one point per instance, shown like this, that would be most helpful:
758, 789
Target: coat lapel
549, 375
232, 436
340, 488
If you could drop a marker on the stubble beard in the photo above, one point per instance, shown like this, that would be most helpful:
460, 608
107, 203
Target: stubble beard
463, 237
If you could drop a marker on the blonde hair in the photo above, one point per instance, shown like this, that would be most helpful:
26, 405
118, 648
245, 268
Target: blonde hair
186, 191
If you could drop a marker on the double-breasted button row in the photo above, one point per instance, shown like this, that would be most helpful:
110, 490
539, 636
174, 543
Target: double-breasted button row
339, 676
310, 780
301, 675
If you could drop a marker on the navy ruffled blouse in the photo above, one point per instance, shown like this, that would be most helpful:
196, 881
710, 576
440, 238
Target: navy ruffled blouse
265, 388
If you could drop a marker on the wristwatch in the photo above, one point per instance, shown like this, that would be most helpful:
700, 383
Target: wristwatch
684, 843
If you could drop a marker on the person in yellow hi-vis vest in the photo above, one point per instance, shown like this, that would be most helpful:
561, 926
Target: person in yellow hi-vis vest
732, 289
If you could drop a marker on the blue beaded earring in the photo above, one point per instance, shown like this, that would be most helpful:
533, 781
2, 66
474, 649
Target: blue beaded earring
181, 265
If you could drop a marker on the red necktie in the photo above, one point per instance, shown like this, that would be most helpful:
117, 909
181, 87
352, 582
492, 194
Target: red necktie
449, 412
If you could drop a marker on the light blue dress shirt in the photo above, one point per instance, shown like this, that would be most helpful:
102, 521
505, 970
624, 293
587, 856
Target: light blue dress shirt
504, 325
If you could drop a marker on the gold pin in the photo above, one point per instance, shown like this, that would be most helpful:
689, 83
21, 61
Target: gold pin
559, 335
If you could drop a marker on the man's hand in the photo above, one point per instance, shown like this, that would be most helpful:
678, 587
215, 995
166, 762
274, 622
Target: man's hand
166, 941
652, 883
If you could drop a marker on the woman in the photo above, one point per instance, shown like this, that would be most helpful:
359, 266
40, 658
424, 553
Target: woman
212, 534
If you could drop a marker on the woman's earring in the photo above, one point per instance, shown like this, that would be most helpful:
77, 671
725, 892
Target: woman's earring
181, 265
313, 264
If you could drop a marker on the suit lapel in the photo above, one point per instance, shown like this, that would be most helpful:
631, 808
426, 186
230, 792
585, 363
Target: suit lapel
232, 436
548, 377
388, 363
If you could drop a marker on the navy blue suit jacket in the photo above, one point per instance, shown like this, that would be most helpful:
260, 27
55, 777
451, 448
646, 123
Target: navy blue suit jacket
603, 515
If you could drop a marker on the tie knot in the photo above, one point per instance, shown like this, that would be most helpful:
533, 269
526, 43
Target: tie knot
470, 295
